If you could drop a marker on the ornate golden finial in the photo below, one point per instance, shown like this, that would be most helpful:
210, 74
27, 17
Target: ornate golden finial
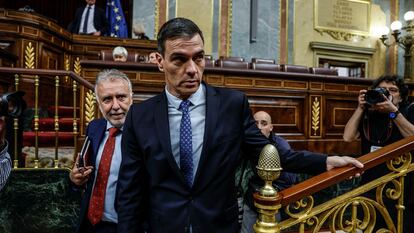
268, 168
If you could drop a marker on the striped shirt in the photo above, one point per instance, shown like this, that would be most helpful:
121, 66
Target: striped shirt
5, 165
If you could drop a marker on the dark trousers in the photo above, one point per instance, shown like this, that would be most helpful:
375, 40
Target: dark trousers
101, 227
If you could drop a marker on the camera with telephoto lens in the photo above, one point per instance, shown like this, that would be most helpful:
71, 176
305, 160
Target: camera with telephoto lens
376, 95
12, 104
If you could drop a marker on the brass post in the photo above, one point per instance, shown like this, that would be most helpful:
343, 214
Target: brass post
267, 200
16, 127
36, 121
56, 122
75, 124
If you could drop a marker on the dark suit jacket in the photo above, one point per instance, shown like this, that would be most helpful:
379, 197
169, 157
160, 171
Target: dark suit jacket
100, 22
150, 175
95, 132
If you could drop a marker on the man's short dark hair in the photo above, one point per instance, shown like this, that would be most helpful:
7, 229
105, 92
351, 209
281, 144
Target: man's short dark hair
396, 80
177, 28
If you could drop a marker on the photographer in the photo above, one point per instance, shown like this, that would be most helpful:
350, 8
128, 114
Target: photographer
383, 116
5, 161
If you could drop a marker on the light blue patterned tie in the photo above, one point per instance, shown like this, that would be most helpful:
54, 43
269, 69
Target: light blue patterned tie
186, 144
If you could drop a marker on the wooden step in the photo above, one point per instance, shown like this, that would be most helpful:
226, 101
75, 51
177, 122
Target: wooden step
63, 111
48, 124
47, 138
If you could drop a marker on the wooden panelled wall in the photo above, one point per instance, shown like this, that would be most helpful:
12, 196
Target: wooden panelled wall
309, 110
52, 46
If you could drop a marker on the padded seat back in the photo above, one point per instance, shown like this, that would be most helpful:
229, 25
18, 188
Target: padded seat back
295, 69
209, 60
232, 64
240, 59
263, 60
325, 71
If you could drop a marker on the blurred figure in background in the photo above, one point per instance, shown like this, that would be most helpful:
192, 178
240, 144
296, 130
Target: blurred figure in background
89, 20
120, 54
152, 58
139, 32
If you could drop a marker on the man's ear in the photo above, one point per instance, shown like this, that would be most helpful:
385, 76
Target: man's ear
160, 61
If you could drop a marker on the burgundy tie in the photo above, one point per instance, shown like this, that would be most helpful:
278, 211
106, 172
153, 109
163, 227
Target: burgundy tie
96, 204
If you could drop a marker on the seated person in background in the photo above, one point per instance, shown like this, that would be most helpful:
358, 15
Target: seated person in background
5, 161
152, 58
378, 123
286, 179
89, 20
139, 32
120, 54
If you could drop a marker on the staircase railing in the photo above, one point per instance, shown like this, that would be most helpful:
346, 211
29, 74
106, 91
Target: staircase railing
347, 212
58, 87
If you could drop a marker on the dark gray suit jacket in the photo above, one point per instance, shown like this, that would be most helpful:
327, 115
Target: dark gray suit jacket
151, 188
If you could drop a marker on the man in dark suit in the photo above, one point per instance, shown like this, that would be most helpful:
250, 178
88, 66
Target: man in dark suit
180, 149
90, 20
98, 179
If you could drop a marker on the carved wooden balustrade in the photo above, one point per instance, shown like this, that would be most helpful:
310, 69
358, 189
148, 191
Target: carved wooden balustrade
352, 210
52, 89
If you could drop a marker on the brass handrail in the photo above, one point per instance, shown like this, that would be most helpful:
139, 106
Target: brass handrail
40, 72
36, 75
362, 210
336, 175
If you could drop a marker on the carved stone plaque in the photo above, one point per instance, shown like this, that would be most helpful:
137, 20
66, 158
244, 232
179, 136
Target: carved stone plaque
349, 16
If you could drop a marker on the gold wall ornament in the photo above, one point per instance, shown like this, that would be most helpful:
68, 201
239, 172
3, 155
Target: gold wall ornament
89, 107
344, 36
229, 27
67, 68
29, 56
315, 116
156, 17
77, 66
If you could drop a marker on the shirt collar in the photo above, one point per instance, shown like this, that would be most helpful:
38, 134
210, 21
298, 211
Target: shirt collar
109, 125
196, 98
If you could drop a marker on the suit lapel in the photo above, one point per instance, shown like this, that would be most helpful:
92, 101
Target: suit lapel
163, 131
96, 135
212, 109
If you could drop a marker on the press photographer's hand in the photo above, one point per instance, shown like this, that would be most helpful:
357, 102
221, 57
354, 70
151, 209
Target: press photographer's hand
387, 105
361, 99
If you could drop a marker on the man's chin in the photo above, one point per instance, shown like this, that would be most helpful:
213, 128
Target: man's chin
116, 123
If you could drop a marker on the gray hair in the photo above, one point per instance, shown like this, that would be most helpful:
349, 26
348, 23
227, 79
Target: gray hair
119, 50
110, 75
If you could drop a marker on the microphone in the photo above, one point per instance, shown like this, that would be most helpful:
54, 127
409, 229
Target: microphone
268, 168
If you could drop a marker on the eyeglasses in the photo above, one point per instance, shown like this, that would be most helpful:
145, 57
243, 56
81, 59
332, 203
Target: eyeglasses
392, 89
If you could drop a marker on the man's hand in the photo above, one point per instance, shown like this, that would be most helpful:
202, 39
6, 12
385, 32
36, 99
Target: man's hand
80, 175
341, 161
